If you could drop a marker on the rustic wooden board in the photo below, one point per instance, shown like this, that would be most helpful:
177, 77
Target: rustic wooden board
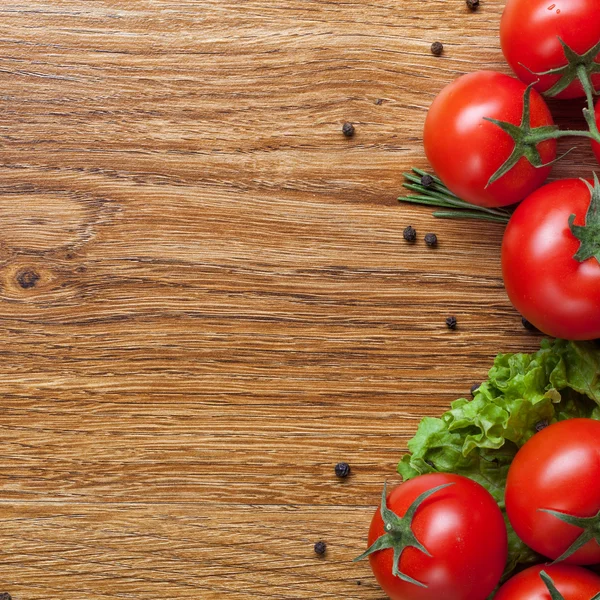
206, 301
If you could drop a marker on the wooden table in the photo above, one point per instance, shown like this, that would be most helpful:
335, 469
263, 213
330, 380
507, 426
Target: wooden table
206, 300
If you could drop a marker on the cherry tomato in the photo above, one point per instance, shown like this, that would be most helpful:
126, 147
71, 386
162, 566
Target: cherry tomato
574, 583
530, 32
460, 526
558, 469
545, 283
465, 150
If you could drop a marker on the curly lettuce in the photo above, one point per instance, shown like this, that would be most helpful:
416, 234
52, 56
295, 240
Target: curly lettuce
524, 393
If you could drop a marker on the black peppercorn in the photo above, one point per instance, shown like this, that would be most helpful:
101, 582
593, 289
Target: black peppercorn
320, 548
473, 4
528, 325
437, 48
474, 388
359, 582
451, 322
427, 181
431, 240
410, 234
541, 425
348, 130
342, 470
5, 596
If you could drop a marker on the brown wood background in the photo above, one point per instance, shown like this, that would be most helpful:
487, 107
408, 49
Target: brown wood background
205, 297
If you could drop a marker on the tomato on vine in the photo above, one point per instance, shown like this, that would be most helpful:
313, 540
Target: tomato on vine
555, 46
489, 139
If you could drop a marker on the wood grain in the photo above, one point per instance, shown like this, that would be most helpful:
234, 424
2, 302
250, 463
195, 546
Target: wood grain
205, 298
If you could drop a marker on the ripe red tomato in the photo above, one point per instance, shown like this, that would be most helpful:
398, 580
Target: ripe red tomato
465, 150
558, 469
530, 32
545, 283
460, 526
574, 583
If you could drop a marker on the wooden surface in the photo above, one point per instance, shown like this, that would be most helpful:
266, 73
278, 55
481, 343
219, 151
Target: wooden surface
205, 298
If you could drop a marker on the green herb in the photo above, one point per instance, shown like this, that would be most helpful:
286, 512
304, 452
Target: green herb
479, 438
437, 194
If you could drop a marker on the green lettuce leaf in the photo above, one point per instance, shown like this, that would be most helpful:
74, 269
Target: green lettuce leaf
523, 393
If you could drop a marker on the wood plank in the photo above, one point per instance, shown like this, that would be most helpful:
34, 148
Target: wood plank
205, 298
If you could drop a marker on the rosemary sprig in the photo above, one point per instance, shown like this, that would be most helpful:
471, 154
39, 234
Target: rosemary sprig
437, 194
477, 216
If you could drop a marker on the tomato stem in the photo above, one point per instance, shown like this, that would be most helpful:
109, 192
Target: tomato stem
581, 67
536, 138
588, 112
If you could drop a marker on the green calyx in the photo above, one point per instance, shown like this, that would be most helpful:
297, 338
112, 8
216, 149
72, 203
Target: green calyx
579, 66
554, 593
589, 234
526, 139
590, 526
399, 534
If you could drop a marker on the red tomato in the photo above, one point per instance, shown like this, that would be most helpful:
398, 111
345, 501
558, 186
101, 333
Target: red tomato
465, 150
550, 288
557, 469
462, 528
574, 583
529, 33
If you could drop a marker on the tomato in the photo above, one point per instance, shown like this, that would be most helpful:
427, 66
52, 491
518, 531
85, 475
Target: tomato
466, 151
530, 32
546, 284
574, 583
558, 469
460, 526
